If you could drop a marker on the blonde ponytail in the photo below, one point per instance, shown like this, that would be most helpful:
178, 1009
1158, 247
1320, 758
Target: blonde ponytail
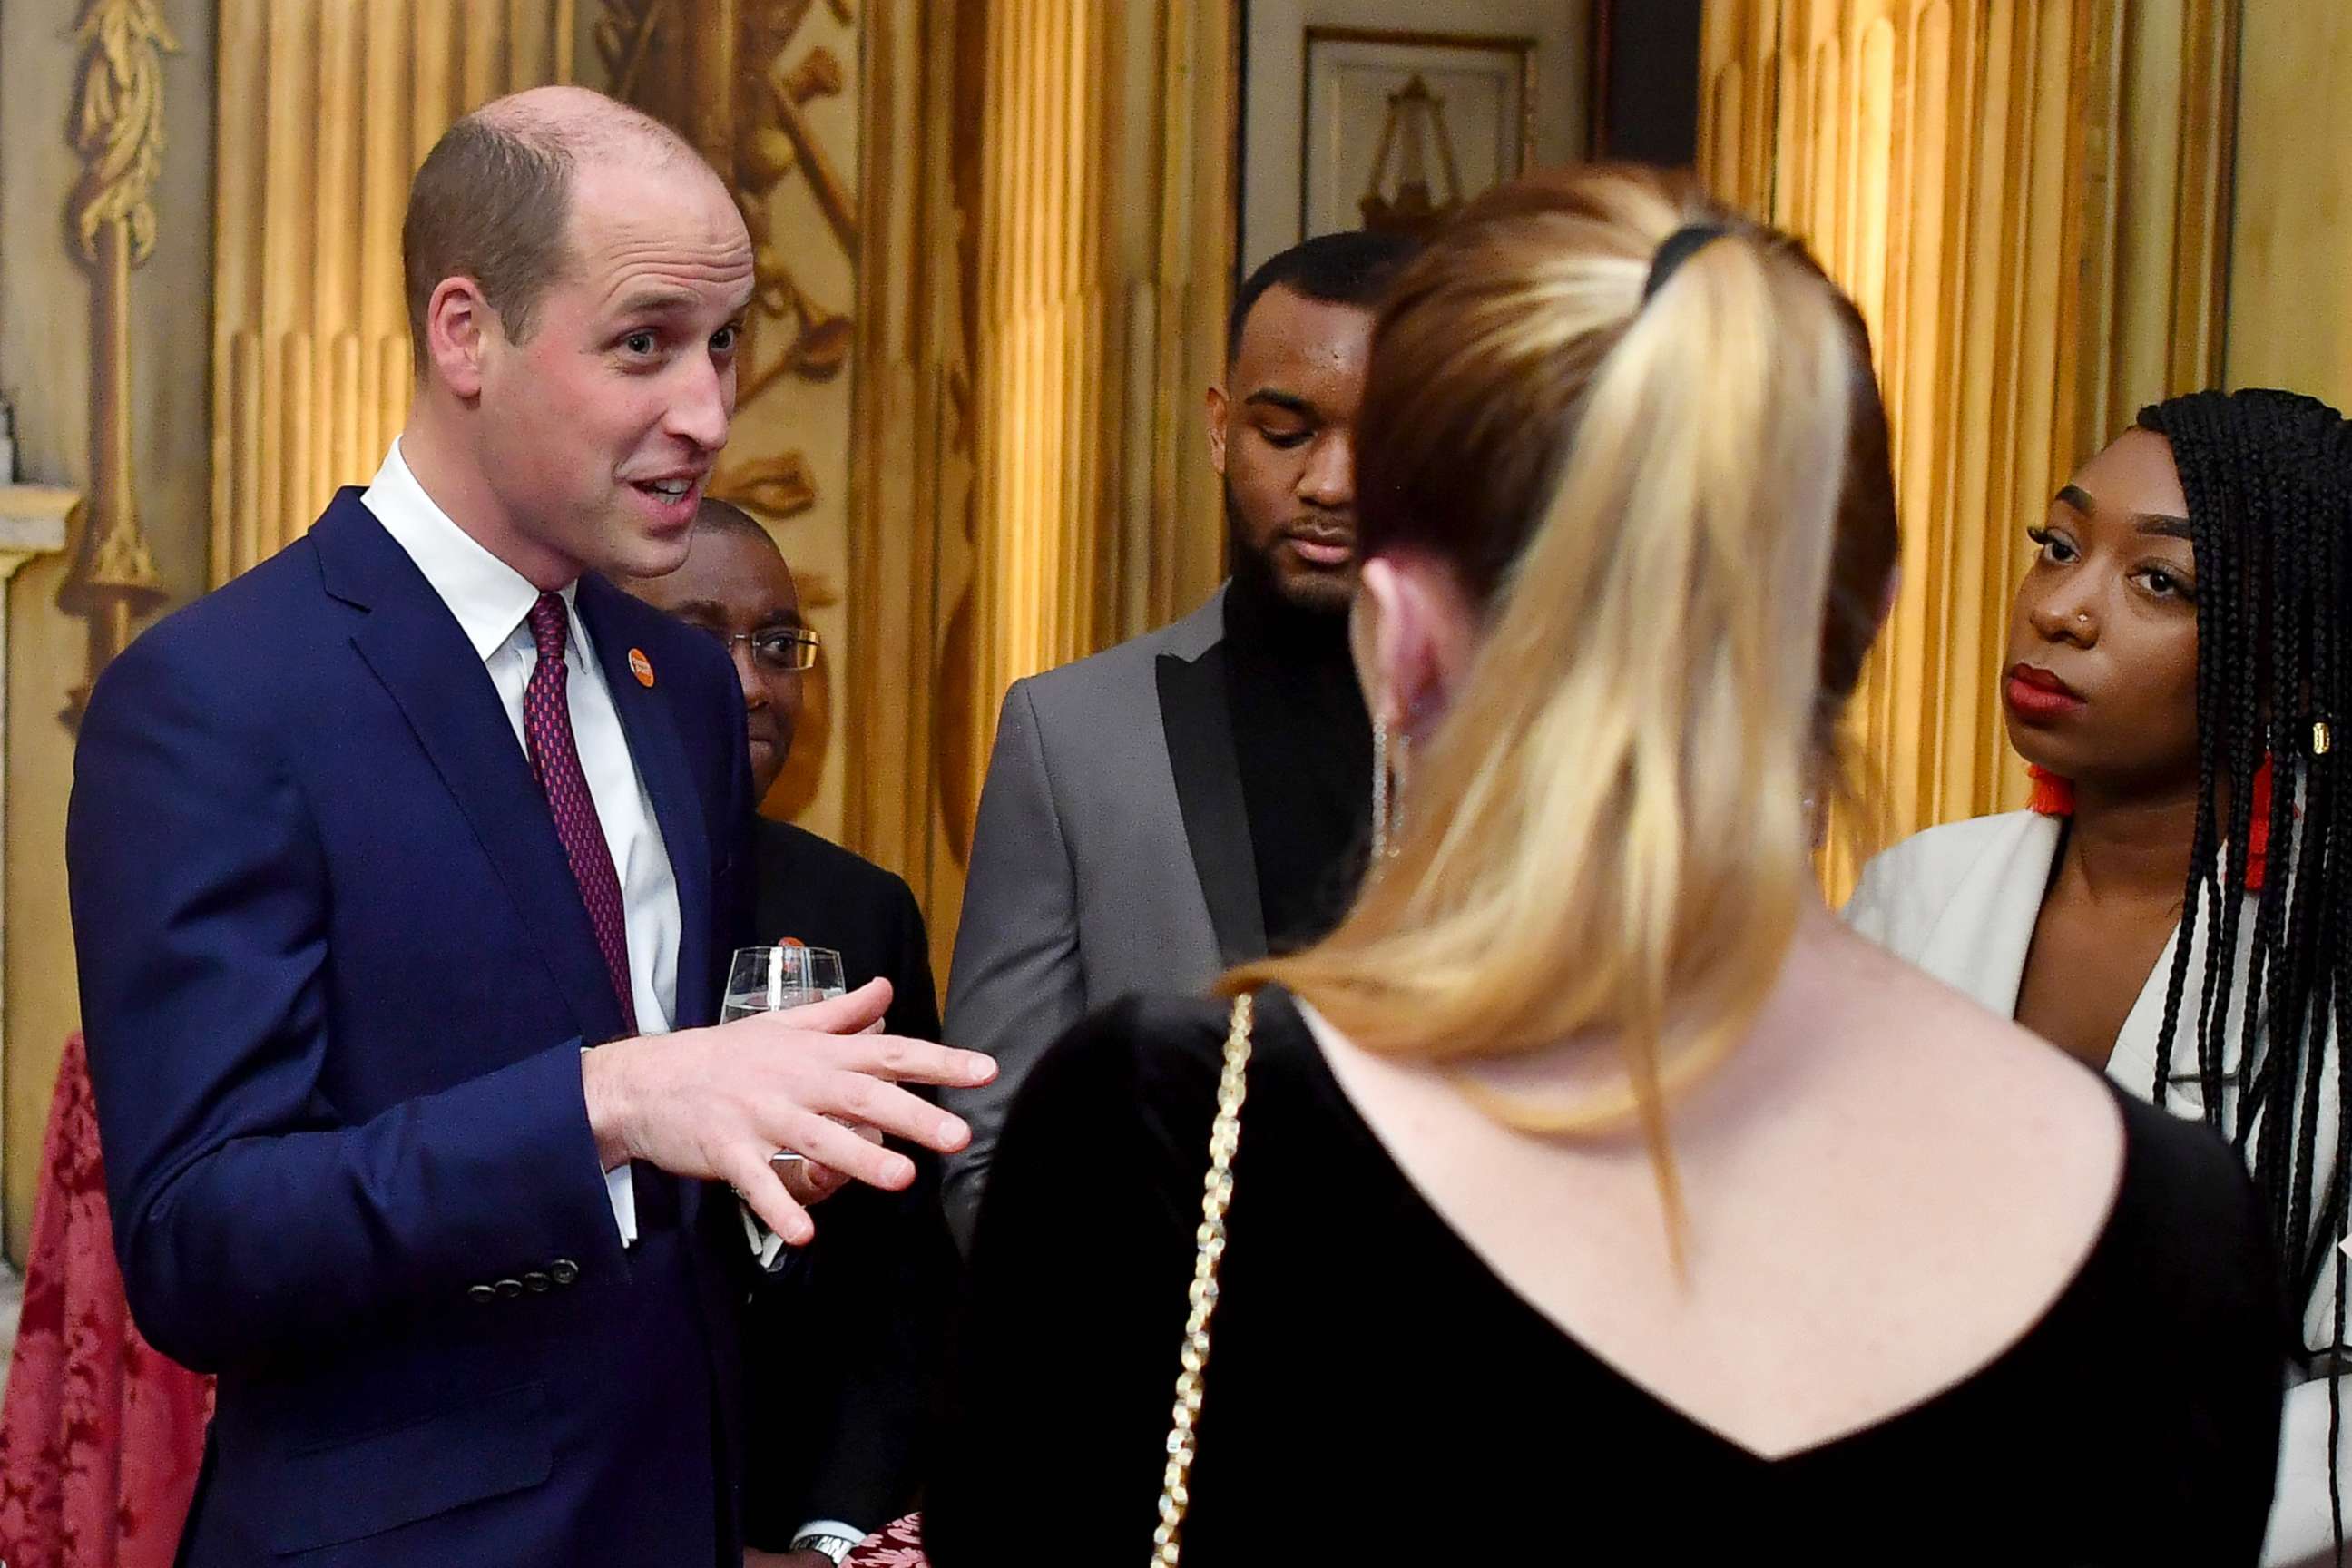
1607, 834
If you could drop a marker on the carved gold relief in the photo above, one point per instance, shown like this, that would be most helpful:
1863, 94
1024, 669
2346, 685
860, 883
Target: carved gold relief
119, 121
767, 141
117, 128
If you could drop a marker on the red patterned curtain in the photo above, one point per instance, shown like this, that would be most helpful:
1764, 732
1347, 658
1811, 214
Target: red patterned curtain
101, 1437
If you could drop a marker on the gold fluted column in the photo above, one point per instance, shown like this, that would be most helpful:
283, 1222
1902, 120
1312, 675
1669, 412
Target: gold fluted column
1179, 242
1051, 347
1970, 171
1106, 230
325, 108
911, 499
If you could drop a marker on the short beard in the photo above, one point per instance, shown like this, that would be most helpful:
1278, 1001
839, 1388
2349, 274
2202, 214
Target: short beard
1255, 567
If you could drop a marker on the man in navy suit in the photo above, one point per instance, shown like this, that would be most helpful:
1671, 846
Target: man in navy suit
404, 869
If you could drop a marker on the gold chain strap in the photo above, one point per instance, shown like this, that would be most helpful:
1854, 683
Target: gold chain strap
1216, 1193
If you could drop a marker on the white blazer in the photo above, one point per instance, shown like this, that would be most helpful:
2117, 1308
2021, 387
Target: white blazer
1961, 902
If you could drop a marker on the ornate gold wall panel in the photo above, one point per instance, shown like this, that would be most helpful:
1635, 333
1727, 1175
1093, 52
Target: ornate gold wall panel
1970, 171
774, 93
1180, 242
325, 108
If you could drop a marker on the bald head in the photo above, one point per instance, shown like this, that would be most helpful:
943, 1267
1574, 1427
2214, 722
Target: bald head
716, 517
493, 199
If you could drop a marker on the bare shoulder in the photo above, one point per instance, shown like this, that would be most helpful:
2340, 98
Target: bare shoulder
1878, 1149
1962, 1071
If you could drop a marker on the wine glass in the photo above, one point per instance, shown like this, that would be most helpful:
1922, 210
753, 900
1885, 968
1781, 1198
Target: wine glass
771, 979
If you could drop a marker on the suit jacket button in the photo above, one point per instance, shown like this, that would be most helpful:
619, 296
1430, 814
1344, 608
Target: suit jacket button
563, 1271
535, 1281
510, 1289
481, 1293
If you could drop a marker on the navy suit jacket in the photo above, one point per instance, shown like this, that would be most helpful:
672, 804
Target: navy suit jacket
336, 978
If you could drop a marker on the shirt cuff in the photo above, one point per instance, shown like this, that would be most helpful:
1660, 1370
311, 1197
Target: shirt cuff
832, 1526
623, 1190
768, 1248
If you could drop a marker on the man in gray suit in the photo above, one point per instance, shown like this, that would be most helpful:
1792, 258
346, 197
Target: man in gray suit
1198, 796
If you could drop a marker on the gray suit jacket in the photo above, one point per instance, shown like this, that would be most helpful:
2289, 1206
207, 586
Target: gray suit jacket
1112, 855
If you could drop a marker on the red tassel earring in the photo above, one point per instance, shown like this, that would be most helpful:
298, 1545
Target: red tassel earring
2052, 795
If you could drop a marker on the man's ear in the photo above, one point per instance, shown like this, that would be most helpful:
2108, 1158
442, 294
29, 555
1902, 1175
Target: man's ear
459, 325
1216, 409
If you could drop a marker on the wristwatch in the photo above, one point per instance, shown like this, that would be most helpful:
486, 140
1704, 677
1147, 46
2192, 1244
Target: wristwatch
835, 1547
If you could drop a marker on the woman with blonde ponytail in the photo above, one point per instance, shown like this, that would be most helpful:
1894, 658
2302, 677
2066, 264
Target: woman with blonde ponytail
1591, 1166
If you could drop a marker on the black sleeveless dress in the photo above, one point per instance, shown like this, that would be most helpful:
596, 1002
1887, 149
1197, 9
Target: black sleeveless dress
1375, 1394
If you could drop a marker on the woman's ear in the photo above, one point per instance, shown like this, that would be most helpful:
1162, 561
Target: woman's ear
1412, 640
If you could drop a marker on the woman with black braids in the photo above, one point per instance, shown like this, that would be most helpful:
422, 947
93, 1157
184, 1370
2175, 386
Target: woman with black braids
2179, 674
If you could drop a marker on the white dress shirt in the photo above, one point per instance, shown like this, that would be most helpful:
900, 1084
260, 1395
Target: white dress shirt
492, 603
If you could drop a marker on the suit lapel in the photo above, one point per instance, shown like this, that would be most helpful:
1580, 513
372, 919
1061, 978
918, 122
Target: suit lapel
654, 746
1980, 942
1207, 769
416, 650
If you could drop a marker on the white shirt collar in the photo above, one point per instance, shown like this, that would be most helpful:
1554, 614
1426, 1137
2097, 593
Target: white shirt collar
488, 597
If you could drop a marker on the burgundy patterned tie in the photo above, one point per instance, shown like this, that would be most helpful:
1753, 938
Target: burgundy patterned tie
555, 758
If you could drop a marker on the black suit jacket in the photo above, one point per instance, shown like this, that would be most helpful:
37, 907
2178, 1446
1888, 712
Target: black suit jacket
854, 1327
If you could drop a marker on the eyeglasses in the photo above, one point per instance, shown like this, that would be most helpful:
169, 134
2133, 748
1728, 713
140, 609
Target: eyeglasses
778, 649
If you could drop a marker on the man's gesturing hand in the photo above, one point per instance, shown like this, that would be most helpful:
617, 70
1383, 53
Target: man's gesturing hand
713, 1104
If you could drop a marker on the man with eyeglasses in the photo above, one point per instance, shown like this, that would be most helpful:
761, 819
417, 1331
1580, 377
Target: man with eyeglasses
854, 1325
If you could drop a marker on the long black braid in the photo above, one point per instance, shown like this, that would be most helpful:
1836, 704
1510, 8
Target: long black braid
2268, 477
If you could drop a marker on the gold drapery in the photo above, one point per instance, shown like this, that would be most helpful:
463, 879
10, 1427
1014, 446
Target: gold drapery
2028, 201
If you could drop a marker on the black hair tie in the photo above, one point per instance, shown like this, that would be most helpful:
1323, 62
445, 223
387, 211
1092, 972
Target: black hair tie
1679, 247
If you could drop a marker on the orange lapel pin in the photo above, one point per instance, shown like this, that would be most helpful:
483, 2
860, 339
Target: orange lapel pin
640, 667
